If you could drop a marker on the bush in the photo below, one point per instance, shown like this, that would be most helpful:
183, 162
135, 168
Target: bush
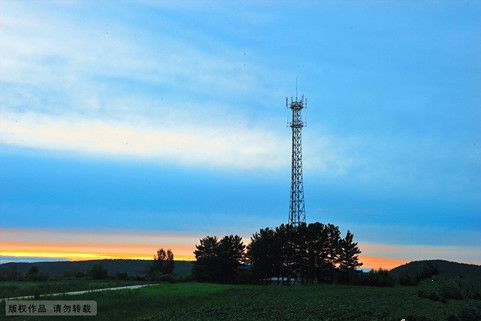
355, 277
76, 275
33, 274
470, 312
380, 278
432, 295
451, 292
418, 318
185, 278
98, 272
408, 280
159, 276
444, 294
122, 276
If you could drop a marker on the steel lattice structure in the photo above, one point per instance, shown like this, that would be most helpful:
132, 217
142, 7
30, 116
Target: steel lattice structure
297, 211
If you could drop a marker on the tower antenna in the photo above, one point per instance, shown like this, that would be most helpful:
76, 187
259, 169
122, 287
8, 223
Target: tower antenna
297, 211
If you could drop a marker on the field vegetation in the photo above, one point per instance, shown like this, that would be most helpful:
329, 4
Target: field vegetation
204, 301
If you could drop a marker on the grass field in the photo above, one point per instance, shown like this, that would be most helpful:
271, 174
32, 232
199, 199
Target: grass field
23, 288
195, 301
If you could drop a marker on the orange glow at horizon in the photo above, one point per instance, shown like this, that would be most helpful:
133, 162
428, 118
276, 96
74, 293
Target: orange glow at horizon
380, 262
79, 252
93, 244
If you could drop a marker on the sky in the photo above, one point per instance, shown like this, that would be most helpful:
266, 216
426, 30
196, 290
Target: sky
129, 126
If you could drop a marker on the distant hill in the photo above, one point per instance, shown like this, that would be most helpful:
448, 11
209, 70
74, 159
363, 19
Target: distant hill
443, 267
132, 267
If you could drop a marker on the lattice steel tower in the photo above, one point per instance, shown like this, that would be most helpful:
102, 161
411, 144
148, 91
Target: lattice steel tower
297, 211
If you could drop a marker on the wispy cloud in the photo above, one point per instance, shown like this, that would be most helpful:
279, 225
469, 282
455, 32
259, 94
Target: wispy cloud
224, 145
98, 88
60, 53
191, 144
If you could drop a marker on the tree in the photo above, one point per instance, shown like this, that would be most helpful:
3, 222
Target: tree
218, 261
264, 254
348, 253
317, 251
300, 259
333, 245
284, 234
164, 261
34, 274
207, 247
206, 265
230, 253
307, 252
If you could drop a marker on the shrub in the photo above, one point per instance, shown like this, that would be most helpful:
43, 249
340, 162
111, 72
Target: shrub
98, 272
412, 278
185, 278
380, 278
79, 275
159, 276
418, 318
408, 280
432, 295
470, 312
451, 292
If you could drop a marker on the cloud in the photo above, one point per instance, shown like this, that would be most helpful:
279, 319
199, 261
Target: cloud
226, 144
189, 144
102, 87
55, 52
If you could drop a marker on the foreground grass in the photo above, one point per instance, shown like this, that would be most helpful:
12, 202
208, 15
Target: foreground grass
23, 288
194, 301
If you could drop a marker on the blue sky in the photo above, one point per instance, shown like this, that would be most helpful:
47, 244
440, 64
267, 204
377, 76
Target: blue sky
163, 117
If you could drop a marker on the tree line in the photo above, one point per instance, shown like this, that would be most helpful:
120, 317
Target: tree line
304, 253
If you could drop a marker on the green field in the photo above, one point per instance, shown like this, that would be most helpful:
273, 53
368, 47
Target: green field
10, 289
196, 301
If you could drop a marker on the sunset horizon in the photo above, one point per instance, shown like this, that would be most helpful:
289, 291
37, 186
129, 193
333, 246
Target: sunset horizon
125, 128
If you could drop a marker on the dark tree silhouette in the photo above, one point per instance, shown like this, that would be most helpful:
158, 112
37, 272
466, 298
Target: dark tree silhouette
207, 247
317, 251
264, 253
206, 266
307, 253
348, 253
285, 236
33, 274
218, 261
333, 245
230, 253
164, 261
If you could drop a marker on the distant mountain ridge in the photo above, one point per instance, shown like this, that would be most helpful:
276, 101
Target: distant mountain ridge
184, 268
59, 268
443, 267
